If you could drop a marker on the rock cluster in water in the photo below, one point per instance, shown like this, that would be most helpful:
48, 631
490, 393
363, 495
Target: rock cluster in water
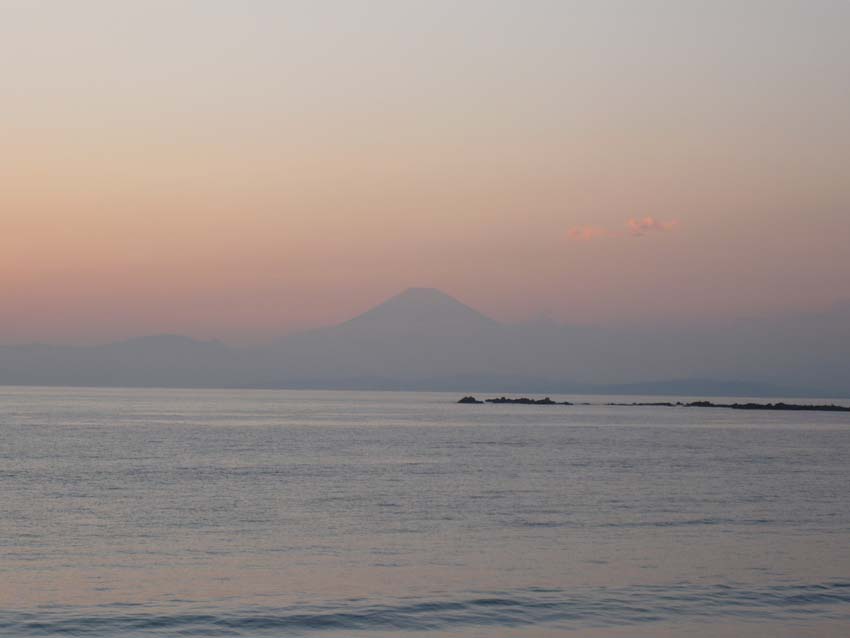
520, 400
693, 404
746, 406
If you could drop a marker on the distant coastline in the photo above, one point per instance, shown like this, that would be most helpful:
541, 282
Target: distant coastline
669, 404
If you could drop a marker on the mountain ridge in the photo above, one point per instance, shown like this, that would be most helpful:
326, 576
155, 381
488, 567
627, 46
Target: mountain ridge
425, 339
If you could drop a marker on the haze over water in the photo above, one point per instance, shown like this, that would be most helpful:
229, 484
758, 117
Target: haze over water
298, 513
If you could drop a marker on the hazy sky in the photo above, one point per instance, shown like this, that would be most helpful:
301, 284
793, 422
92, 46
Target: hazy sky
240, 169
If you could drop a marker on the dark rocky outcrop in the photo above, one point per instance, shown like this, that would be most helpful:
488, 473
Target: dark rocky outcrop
784, 406
520, 401
693, 404
742, 406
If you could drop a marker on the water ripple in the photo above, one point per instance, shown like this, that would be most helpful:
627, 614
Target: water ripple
540, 607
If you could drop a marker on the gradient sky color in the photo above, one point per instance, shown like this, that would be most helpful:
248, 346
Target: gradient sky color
244, 169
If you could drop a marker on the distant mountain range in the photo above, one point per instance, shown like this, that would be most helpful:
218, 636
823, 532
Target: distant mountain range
423, 339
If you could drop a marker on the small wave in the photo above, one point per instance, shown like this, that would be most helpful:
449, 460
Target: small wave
567, 609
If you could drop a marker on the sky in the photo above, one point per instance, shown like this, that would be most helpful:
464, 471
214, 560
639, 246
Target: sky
240, 170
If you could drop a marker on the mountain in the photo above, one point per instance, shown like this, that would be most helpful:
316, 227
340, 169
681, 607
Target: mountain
420, 333
425, 339
417, 312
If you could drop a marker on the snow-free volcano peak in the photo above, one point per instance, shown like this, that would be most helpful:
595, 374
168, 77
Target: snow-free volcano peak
421, 311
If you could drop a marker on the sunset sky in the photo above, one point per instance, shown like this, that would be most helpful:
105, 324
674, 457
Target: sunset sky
240, 170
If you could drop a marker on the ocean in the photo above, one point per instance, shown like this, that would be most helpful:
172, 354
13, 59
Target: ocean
149, 512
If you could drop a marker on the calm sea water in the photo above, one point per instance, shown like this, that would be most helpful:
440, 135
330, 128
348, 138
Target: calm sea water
265, 513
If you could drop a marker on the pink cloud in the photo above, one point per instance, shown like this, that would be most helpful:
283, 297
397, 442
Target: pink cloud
648, 224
